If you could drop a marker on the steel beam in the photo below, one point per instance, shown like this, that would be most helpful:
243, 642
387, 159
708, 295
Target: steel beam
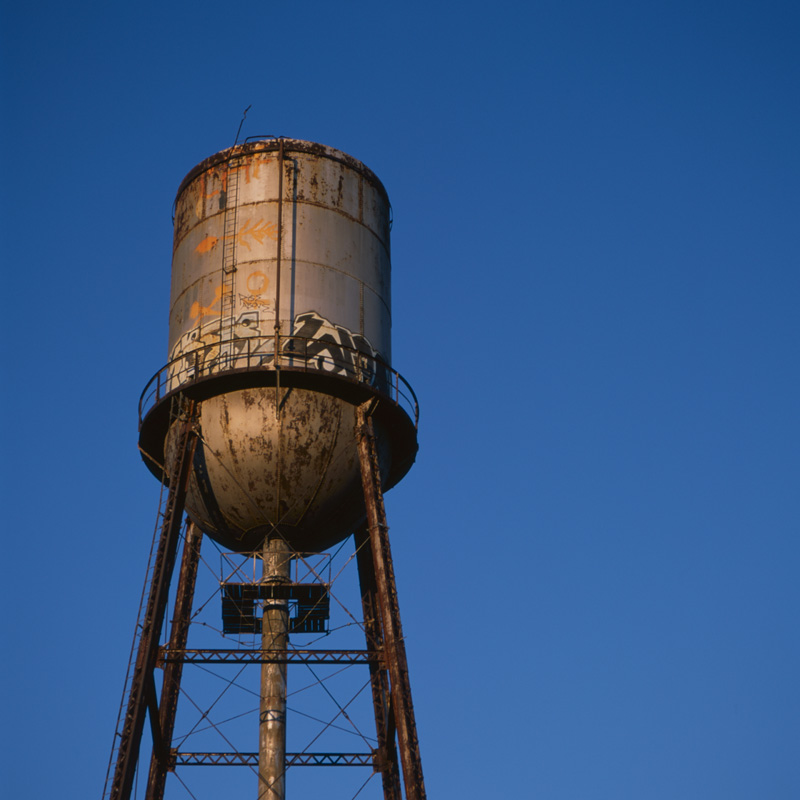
211, 656
160, 761
386, 761
133, 724
277, 557
394, 644
292, 759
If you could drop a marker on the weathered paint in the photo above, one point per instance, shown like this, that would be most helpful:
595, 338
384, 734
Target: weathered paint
256, 471
277, 458
334, 256
272, 707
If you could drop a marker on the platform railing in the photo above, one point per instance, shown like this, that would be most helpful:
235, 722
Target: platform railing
295, 353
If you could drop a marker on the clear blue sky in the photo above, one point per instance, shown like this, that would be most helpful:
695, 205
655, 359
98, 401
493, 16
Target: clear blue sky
595, 266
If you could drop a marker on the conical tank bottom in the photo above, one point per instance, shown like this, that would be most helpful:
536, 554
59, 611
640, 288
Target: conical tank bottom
293, 468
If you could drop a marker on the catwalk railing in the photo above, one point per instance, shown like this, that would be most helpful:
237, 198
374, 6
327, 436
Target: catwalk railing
295, 354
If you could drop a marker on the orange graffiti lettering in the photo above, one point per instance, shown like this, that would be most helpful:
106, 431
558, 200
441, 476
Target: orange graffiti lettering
208, 311
209, 243
257, 282
255, 230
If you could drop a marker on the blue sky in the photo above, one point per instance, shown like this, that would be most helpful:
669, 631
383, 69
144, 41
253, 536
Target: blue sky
595, 283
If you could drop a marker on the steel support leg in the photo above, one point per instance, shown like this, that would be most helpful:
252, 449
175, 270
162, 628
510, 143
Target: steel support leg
160, 762
133, 724
394, 644
387, 762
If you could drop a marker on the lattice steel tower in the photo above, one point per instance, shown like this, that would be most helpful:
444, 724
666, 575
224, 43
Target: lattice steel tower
275, 426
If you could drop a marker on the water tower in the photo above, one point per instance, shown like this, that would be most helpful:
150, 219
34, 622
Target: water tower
275, 426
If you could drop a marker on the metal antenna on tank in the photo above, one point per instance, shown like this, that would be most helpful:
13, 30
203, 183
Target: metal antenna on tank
236, 140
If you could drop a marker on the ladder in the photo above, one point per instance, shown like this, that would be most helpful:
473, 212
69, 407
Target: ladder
227, 326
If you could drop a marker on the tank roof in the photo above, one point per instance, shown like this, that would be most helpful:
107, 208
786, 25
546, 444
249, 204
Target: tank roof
289, 145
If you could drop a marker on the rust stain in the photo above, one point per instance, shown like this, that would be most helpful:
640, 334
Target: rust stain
252, 169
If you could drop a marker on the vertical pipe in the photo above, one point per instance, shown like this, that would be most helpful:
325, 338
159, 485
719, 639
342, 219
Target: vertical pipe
277, 345
280, 248
277, 557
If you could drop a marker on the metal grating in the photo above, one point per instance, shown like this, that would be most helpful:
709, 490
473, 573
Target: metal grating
311, 611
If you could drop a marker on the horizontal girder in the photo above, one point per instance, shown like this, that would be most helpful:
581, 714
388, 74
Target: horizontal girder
258, 656
292, 759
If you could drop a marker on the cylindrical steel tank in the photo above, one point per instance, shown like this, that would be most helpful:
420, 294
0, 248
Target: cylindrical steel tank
280, 324
334, 236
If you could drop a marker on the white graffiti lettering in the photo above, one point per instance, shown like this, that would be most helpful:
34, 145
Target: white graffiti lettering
316, 343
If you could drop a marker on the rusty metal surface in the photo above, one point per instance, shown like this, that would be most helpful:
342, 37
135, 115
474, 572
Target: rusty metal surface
281, 264
277, 559
394, 642
334, 237
292, 759
293, 656
271, 144
160, 762
325, 351
280, 320
397, 433
386, 754
146, 657
256, 471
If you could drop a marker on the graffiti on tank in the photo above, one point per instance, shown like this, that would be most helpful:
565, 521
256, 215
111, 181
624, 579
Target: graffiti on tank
209, 193
316, 343
330, 347
257, 231
199, 311
257, 283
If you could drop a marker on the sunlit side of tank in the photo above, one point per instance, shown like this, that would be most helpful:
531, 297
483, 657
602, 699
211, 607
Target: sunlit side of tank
280, 457
335, 266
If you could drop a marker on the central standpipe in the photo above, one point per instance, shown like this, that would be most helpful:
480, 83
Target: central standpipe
277, 560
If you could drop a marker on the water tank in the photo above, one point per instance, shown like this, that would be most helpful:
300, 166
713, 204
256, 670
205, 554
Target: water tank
279, 327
